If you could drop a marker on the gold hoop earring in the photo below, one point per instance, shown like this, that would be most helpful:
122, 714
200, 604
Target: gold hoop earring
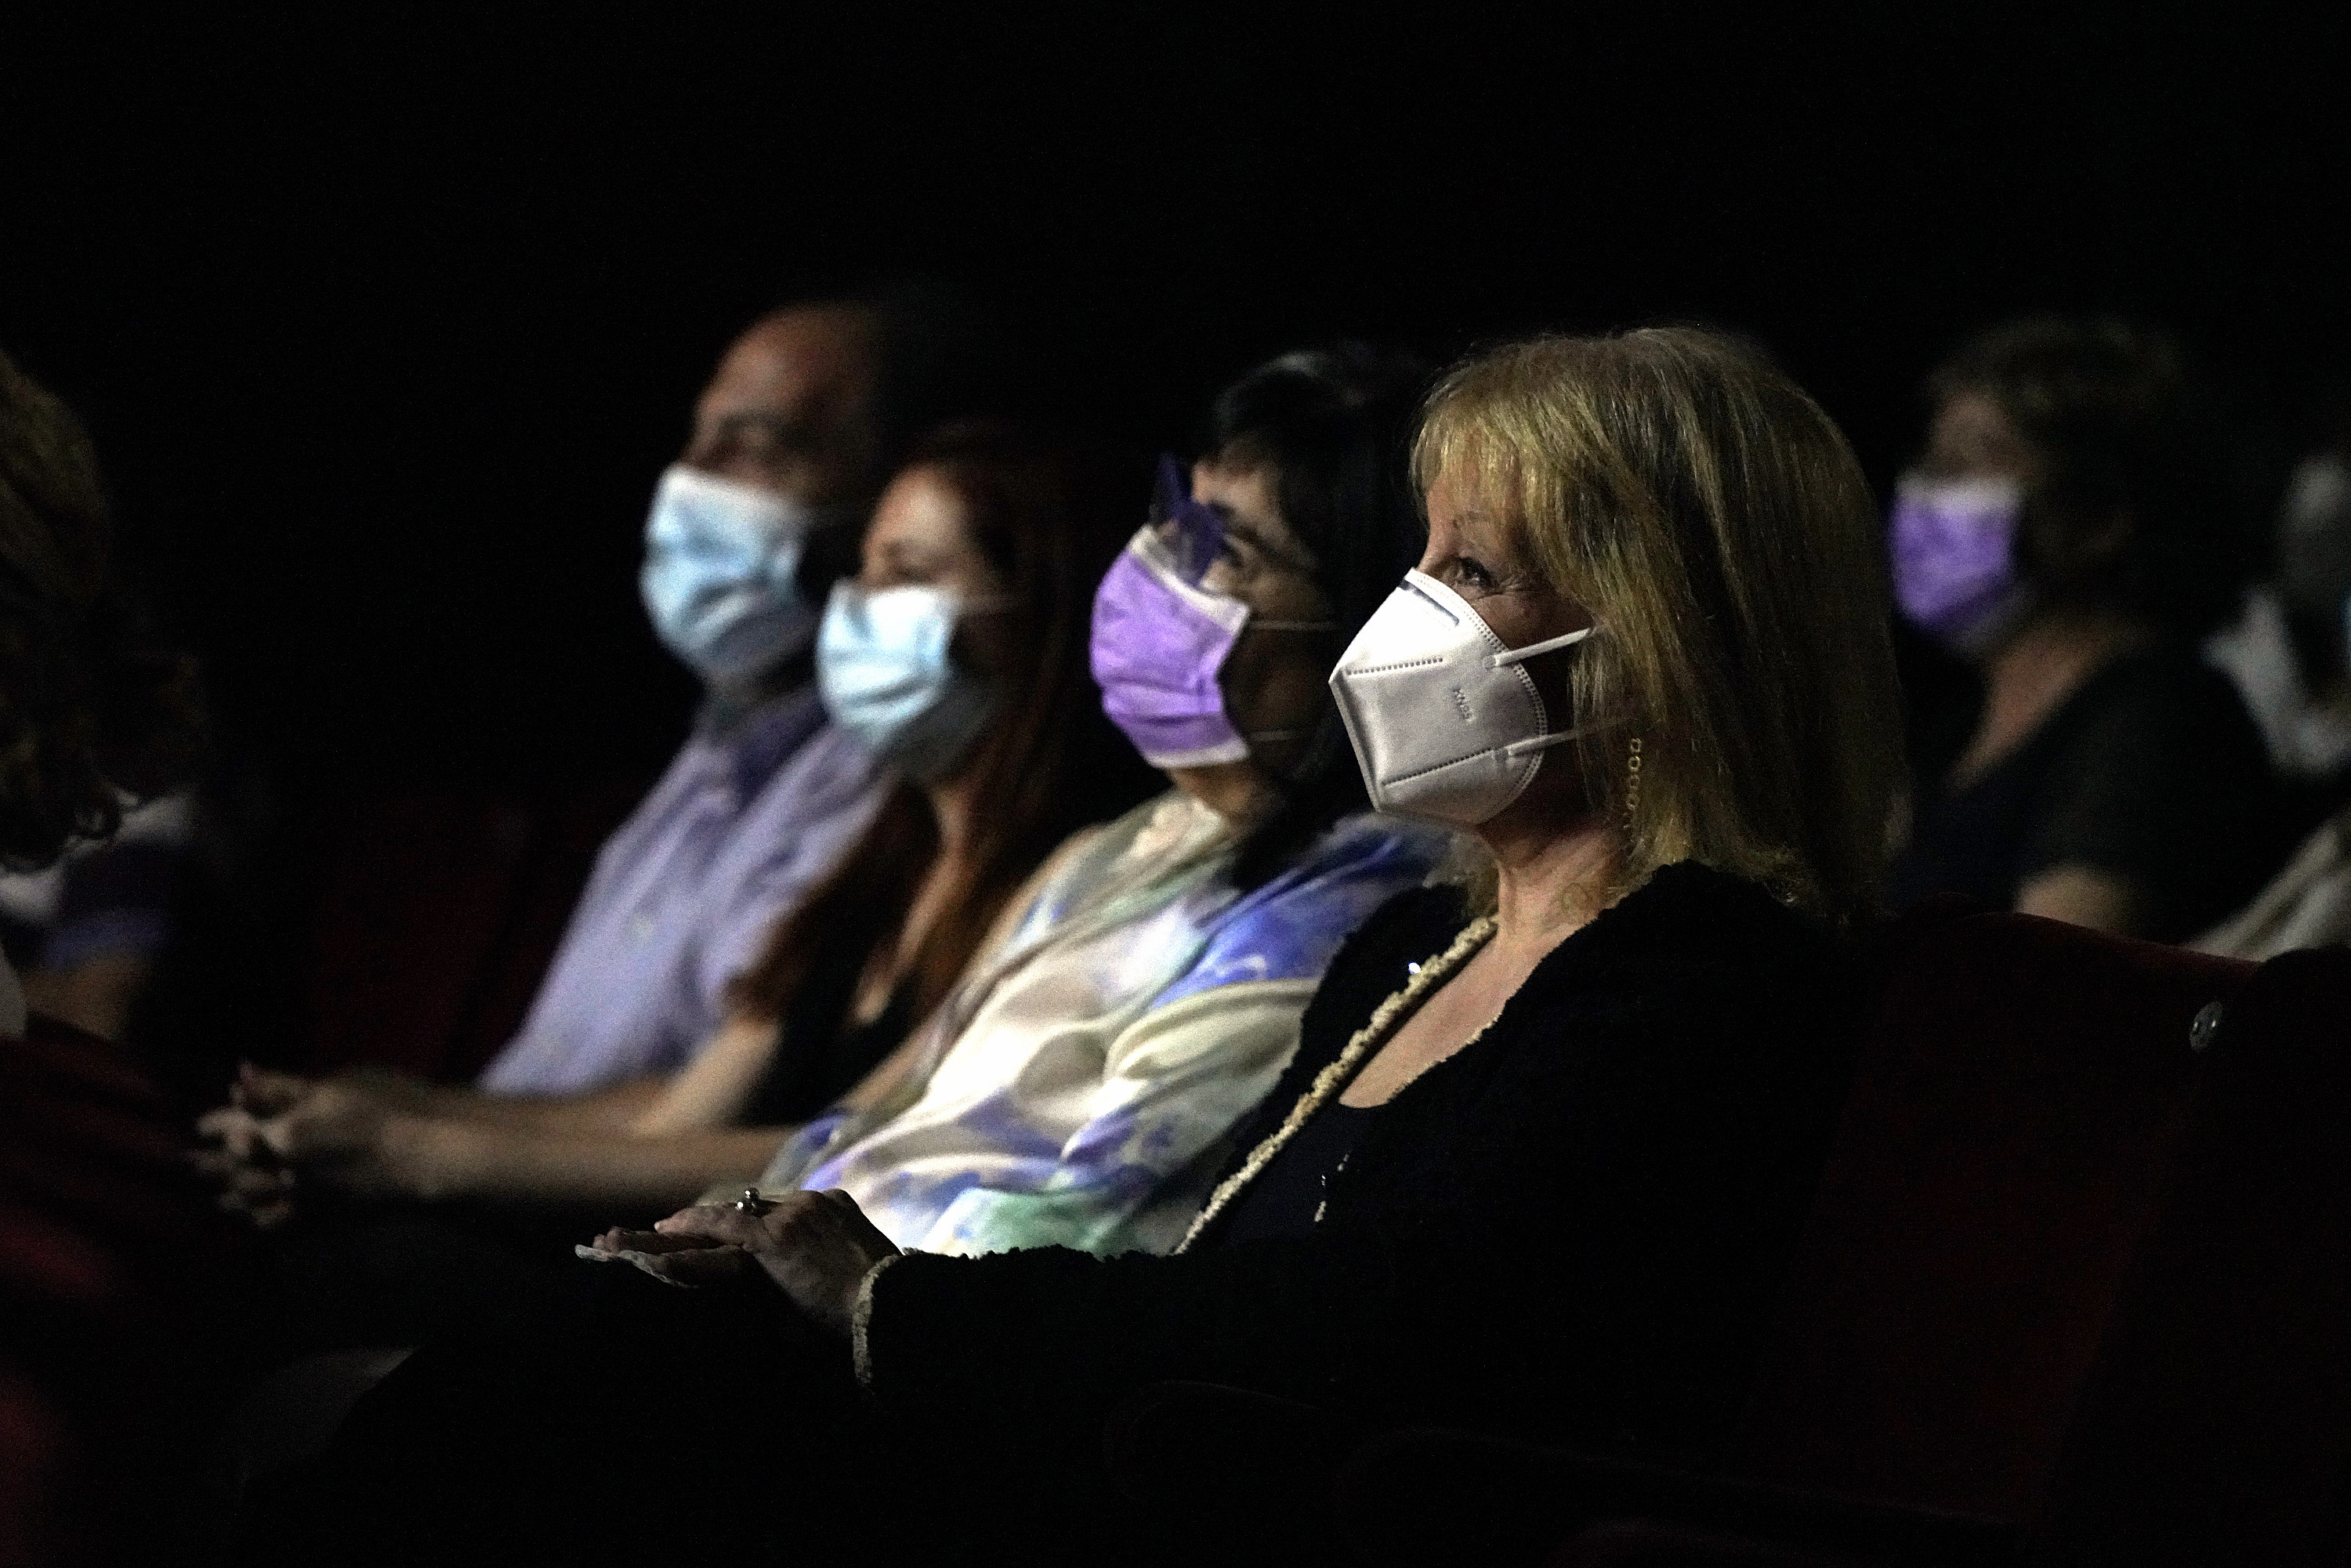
1632, 781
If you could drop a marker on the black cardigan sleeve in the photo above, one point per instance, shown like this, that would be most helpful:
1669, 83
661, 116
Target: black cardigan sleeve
1573, 1228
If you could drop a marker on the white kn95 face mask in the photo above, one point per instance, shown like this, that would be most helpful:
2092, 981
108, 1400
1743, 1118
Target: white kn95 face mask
1445, 722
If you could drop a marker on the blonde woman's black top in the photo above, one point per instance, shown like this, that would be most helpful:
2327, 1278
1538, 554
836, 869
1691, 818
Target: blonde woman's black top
1573, 1229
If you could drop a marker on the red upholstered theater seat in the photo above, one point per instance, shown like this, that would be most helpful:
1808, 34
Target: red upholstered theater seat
2170, 1385
2014, 1112
2216, 1426
112, 1264
438, 912
2076, 1289
416, 887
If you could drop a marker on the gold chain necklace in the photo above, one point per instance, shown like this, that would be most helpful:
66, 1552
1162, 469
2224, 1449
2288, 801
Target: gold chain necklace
1386, 1019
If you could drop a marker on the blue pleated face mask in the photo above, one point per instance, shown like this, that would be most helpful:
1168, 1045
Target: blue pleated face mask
721, 575
882, 664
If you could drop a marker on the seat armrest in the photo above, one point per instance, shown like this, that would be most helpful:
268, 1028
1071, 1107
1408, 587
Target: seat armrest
1420, 1495
1423, 1494
1647, 1543
1178, 1443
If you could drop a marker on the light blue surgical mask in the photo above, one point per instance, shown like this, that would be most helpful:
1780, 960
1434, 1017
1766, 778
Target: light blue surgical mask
721, 575
882, 664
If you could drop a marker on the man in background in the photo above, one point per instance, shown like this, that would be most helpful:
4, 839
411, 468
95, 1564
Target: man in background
792, 440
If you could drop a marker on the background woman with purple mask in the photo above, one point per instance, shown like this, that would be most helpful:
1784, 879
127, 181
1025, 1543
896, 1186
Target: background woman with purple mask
2069, 531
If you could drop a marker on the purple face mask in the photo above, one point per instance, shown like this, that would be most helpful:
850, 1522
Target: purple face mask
1954, 555
1159, 638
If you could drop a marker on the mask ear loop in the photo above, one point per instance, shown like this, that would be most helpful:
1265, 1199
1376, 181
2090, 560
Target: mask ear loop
1520, 655
1509, 656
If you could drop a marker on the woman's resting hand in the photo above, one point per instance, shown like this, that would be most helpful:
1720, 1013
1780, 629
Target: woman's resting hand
818, 1247
674, 1259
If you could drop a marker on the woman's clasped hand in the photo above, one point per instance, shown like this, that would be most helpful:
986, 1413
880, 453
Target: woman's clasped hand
352, 1129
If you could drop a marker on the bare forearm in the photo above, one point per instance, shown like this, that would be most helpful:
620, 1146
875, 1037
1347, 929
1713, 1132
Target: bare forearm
451, 1161
605, 1110
95, 995
2083, 895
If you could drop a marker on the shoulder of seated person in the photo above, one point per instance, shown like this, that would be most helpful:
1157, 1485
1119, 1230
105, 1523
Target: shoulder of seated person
1382, 954
1734, 987
1429, 917
1069, 851
2171, 703
2163, 681
1371, 843
1383, 827
1688, 910
1696, 942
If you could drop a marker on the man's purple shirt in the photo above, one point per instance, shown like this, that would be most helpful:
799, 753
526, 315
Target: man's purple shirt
744, 822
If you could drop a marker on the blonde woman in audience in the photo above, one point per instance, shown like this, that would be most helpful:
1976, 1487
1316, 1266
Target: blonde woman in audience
1547, 1138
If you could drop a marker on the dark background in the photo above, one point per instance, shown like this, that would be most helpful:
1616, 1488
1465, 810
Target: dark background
386, 325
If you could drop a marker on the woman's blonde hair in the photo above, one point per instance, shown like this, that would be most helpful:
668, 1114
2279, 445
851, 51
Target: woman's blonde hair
1714, 521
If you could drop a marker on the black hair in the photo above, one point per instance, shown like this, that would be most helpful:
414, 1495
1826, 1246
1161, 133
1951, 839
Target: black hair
937, 358
1334, 425
940, 356
2120, 426
96, 712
